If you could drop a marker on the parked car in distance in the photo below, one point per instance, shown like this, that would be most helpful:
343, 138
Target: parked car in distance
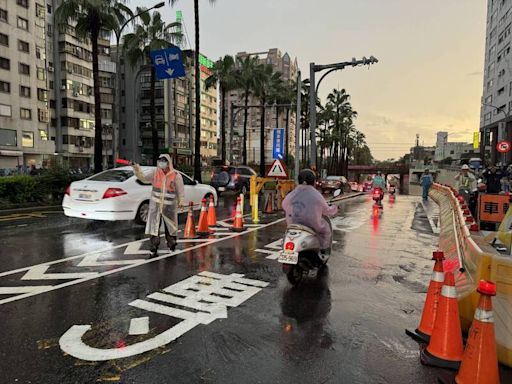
117, 194
232, 178
332, 183
367, 184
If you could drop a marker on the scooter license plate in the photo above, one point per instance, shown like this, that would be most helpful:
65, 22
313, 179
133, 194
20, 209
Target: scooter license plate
287, 257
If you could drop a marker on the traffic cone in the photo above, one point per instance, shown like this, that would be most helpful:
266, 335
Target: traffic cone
424, 330
445, 348
202, 227
269, 206
469, 219
190, 227
212, 216
474, 227
238, 223
460, 199
467, 212
480, 362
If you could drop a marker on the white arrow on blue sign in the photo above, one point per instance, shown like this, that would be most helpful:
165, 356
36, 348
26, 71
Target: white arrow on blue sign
168, 63
278, 144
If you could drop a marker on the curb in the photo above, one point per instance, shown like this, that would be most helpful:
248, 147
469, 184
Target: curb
31, 209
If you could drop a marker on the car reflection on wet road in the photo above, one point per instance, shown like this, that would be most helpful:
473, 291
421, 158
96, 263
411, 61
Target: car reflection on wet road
217, 310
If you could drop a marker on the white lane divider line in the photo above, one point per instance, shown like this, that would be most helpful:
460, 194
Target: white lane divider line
272, 255
139, 326
39, 273
92, 261
24, 289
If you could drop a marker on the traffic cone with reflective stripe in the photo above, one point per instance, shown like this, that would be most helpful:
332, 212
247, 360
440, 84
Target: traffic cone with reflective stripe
202, 226
424, 330
480, 362
445, 348
190, 227
212, 216
269, 207
238, 223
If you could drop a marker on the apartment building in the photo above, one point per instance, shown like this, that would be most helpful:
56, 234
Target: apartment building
281, 118
25, 133
495, 121
175, 114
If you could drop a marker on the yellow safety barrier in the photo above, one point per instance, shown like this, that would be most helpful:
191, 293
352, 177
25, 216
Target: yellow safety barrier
480, 262
257, 183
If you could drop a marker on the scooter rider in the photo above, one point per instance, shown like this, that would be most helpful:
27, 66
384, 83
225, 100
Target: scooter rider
306, 206
378, 181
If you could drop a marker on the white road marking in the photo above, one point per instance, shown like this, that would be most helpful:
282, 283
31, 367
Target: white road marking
95, 275
92, 261
24, 289
134, 248
39, 273
223, 290
139, 326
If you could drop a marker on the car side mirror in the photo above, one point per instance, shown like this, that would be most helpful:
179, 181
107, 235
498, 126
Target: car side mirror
337, 193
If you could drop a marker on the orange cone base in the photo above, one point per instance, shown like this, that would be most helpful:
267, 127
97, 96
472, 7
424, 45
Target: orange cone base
237, 229
203, 234
417, 336
423, 335
427, 358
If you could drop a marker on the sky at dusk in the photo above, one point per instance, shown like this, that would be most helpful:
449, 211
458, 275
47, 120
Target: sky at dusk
430, 71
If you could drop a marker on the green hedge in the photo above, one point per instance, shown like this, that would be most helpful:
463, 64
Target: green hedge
46, 188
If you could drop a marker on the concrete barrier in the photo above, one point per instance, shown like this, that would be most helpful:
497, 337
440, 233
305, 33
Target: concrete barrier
471, 263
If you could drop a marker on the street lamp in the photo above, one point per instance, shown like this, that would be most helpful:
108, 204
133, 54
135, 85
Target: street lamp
313, 90
118, 33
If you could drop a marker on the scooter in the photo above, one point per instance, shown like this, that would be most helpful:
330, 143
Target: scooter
378, 196
301, 251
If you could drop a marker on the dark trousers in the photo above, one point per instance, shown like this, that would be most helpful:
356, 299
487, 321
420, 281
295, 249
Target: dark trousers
155, 240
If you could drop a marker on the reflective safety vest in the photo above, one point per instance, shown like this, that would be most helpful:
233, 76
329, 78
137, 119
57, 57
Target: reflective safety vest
164, 187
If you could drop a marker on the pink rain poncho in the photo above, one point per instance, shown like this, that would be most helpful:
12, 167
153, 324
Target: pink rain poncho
306, 206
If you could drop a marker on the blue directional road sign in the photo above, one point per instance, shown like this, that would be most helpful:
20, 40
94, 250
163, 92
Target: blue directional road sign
278, 144
168, 63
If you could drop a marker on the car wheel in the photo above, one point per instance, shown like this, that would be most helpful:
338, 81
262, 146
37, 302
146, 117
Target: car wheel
142, 213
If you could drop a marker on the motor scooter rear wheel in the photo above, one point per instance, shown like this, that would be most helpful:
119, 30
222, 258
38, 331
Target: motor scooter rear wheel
295, 275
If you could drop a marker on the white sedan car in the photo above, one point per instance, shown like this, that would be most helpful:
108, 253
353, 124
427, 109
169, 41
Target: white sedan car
116, 194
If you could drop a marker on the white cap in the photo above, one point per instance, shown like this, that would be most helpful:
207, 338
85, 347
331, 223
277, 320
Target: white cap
465, 166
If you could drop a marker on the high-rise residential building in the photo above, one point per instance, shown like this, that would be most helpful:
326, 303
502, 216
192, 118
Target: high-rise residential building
282, 118
25, 134
495, 122
175, 113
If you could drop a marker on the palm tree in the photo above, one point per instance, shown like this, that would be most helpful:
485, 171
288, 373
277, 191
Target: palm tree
267, 81
224, 74
153, 33
89, 18
197, 146
246, 80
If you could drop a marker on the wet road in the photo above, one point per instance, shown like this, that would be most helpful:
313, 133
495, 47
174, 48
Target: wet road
80, 302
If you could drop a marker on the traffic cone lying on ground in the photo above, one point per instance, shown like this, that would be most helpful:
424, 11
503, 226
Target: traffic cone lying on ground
424, 330
445, 348
269, 206
202, 226
190, 227
480, 361
238, 223
212, 216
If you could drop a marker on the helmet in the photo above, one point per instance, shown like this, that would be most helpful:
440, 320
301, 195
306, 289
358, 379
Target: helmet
307, 176
465, 167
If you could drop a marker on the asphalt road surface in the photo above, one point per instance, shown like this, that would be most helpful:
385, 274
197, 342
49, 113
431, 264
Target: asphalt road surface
82, 302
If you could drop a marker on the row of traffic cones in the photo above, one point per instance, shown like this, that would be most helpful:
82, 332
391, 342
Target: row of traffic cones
208, 220
440, 333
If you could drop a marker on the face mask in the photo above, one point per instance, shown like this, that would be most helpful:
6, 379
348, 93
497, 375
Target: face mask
162, 164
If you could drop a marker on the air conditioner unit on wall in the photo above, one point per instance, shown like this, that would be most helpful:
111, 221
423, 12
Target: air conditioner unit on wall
50, 69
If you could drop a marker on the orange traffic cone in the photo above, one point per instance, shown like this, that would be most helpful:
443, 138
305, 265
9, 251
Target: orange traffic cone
480, 362
238, 223
445, 348
202, 226
424, 330
269, 206
190, 227
212, 216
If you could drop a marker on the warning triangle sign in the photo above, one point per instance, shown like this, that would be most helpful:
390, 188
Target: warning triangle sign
277, 170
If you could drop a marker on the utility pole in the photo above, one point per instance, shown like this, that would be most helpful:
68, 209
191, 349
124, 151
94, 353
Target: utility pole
297, 125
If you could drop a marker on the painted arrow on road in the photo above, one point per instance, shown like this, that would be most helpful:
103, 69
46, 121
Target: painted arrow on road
39, 273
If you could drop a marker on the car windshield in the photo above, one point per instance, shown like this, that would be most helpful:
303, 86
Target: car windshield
116, 175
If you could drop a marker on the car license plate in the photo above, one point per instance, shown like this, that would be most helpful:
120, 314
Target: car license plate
288, 257
85, 196
222, 189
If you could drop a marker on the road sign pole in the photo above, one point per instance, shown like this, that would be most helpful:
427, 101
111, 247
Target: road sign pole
297, 125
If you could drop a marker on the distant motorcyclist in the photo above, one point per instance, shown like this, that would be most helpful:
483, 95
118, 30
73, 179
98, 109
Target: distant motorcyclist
378, 181
306, 206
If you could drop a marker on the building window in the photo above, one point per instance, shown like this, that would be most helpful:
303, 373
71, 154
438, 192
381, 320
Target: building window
8, 137
3, 15
27, 140
5, 63
25, 114
487, 116
41, 73
43, 135
23, 46
42, 94
43, 115
24, 91
24, 69
5, 87
490, 84
5, 110
40, 11
23, 3
501, 91
22, 23
49, 8
4, 39
40, 54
